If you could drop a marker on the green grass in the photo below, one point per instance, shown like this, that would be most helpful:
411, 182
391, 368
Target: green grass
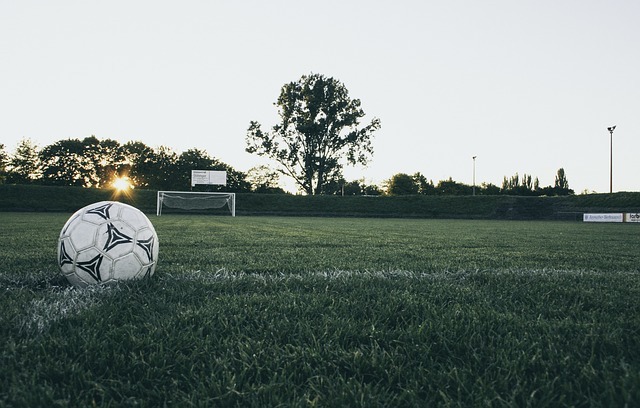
267, 311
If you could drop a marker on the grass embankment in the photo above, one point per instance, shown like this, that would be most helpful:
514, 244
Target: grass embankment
267, 311
69, 199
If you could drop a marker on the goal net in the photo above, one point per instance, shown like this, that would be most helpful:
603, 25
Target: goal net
195, 201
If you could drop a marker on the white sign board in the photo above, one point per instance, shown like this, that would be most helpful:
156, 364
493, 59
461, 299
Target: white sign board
632, 217
611, 217
208, 177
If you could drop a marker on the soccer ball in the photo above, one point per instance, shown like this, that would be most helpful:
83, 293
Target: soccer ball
107, 242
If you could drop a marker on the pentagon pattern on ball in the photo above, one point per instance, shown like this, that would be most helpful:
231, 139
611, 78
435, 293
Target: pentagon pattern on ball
107, 242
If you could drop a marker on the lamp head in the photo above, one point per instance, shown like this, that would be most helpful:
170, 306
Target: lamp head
611, 128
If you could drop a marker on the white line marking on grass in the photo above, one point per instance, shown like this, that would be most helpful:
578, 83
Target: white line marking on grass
60, 303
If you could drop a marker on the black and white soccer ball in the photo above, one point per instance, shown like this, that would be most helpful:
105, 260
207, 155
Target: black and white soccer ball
107, 242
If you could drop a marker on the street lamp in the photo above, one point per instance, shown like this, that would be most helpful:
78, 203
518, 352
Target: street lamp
611, 129
474, 175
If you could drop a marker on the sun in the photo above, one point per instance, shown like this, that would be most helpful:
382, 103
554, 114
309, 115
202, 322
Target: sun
122, 184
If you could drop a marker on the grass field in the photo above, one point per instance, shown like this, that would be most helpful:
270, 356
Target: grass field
268, 311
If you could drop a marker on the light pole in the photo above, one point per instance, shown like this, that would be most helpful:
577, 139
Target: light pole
474, 175
611, 129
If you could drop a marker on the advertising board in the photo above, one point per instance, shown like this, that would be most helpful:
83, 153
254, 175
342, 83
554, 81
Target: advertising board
632, 217
208, 177
604, 217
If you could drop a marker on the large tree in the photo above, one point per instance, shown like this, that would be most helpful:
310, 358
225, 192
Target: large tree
319, 129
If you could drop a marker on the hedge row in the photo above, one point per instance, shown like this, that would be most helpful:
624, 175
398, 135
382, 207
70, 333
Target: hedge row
69, 199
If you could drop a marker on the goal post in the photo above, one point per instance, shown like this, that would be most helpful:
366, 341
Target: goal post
192, 200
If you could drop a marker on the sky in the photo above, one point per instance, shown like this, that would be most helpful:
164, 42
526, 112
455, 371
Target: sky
526, 86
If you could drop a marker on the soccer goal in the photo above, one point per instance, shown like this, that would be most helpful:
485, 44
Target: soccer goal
191, 201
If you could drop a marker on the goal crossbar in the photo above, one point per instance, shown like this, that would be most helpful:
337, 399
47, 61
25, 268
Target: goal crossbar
195, 200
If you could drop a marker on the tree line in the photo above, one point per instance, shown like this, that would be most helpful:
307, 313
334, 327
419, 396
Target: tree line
91, 162
319, 131
405, 184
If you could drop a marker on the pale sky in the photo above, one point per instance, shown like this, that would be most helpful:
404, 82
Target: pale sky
526, 86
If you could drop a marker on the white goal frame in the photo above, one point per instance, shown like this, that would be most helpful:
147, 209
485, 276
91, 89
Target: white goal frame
231, 203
